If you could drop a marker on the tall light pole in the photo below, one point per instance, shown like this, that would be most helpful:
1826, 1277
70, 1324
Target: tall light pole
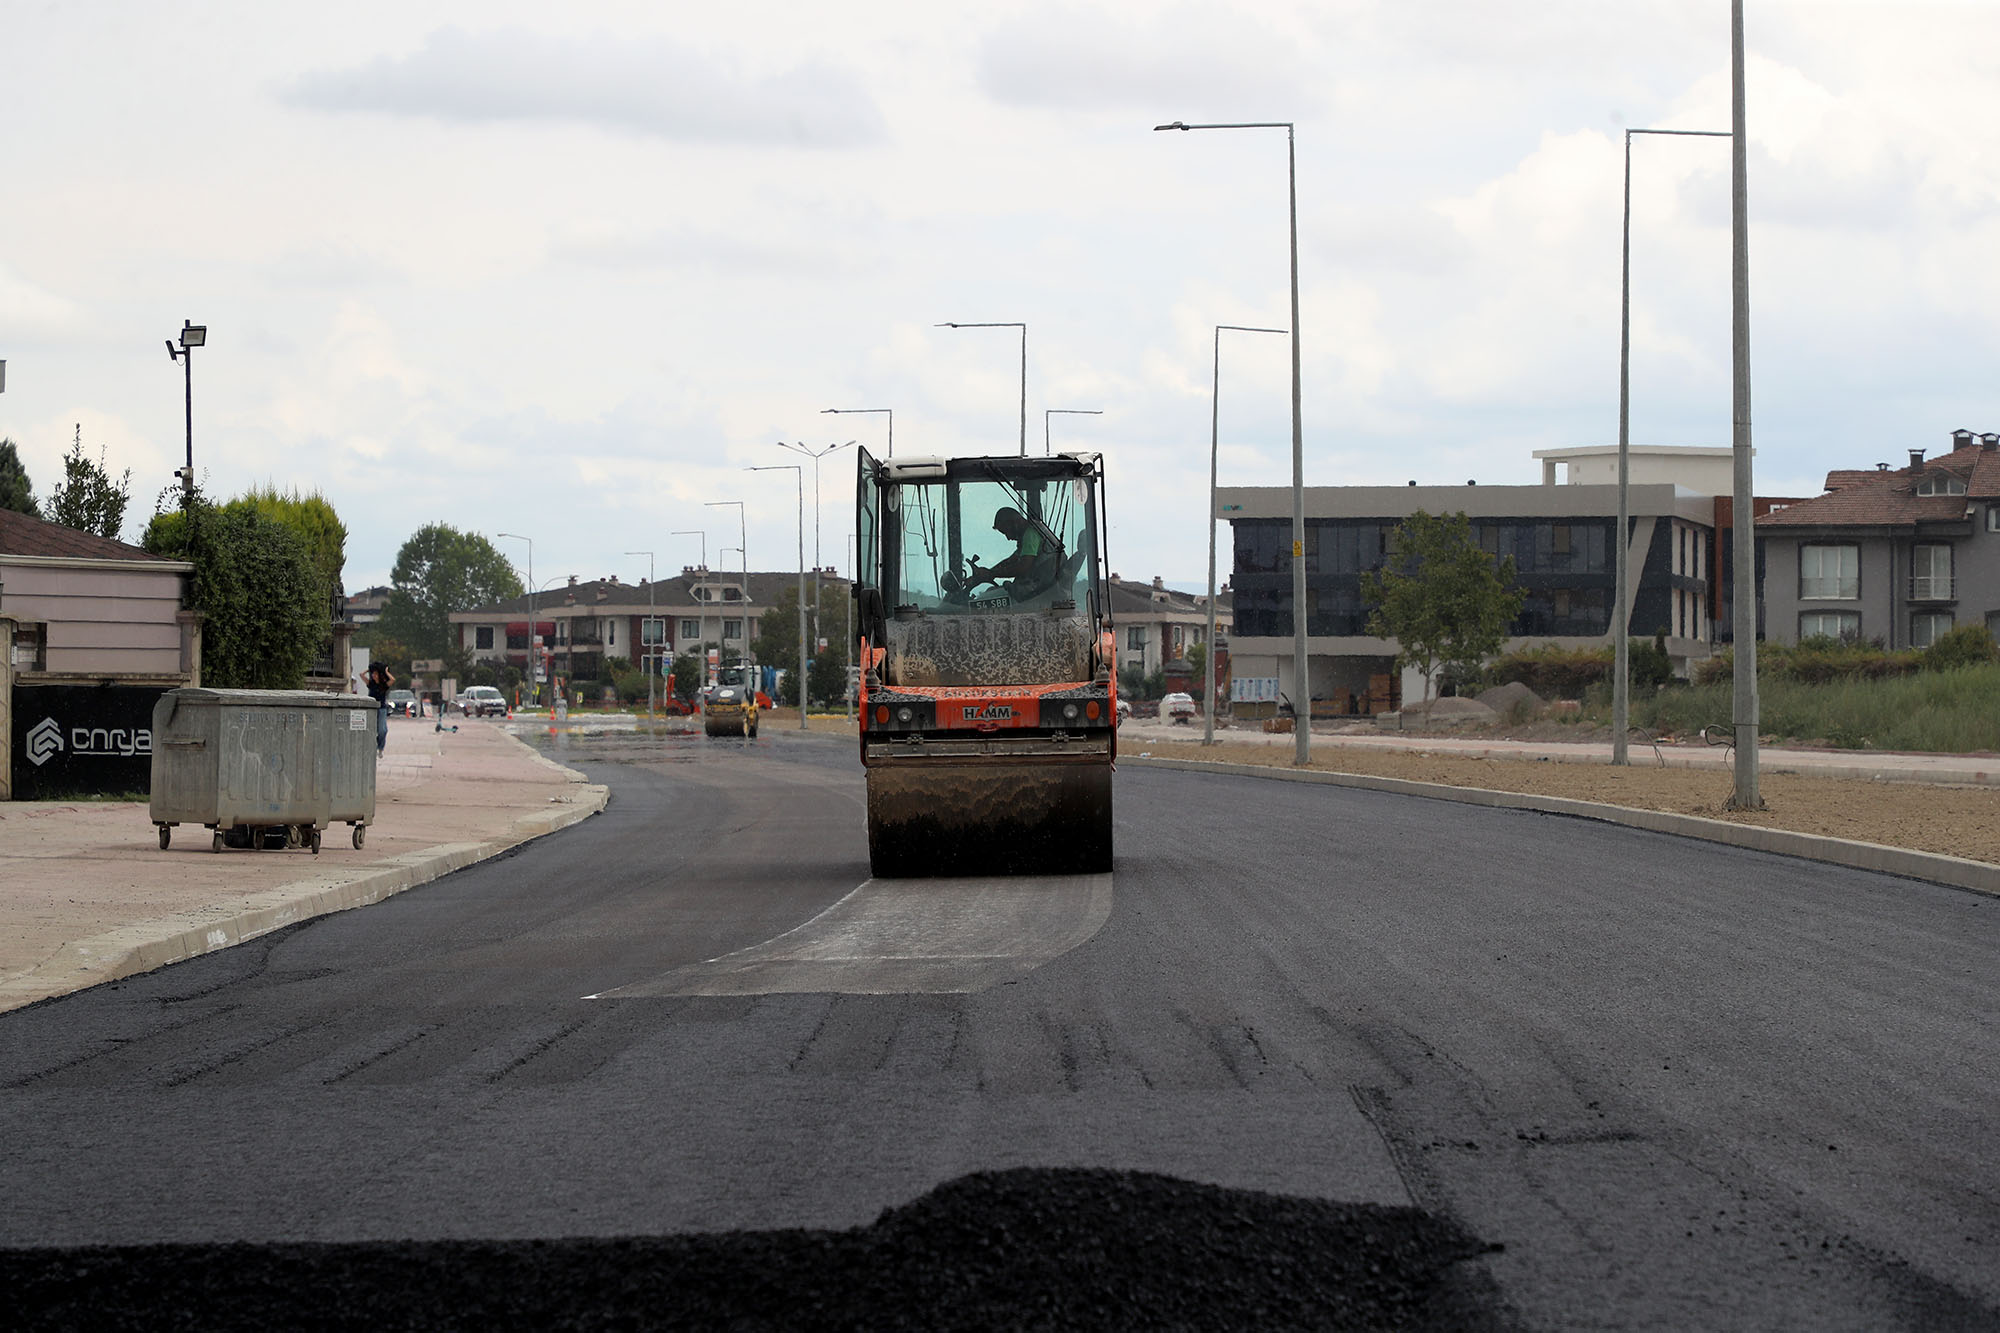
652, 619
1621, 616
1301, 666
534, 658
798, 471
1048, 412
1214, 437
192, 336
815, 455
743, 536
1743, 537
1024, 369
863, 411
534, 692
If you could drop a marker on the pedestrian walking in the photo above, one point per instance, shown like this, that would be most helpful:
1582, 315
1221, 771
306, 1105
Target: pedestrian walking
380, 681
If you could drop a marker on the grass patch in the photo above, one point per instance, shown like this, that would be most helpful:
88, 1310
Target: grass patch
1932, 712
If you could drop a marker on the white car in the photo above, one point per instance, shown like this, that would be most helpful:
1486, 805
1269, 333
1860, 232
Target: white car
482, 701
1177, 707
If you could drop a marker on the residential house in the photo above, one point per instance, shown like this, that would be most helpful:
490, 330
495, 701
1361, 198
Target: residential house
582, 624
1158, 626
1897, 554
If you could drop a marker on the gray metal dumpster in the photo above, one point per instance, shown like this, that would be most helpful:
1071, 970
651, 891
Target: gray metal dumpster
263, 767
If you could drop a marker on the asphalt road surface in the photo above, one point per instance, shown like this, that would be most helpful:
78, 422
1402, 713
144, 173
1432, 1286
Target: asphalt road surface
1308, 1056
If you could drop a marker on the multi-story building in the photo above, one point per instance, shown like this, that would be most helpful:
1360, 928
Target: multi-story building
583, 623
1562, 538
1896, 554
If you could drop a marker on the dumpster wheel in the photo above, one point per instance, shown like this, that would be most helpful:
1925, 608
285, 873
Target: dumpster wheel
360, 835
166, 835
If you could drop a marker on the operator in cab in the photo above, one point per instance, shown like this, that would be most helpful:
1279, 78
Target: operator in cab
1037, 553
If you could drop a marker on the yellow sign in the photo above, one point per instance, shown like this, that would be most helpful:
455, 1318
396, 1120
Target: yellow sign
1298, 549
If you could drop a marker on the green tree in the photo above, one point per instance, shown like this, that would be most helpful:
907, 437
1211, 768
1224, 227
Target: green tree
87, 499
1445, 602
777, 641
441, 570
688, 669
256, 587
316, 522
16, 491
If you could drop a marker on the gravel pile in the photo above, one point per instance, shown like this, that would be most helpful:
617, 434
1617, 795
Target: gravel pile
1071, 1249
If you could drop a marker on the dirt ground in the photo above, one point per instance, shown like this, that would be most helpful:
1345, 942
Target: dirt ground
1954, 821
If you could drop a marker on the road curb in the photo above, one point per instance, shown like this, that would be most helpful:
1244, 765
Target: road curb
1953, 871
131, 950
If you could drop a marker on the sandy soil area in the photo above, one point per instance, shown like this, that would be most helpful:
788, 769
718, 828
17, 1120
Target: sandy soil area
1954, 821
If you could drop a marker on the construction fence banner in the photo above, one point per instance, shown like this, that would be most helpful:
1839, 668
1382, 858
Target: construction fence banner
81, 740
1253, 689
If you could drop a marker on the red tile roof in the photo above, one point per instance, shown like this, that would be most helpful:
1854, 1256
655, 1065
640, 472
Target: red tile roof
21, 535
1879, 498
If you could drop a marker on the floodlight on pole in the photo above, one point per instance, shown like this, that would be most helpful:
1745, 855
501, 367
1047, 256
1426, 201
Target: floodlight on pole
864, 411
1024, 367
1214, 436
1301, 663
1048, 412
192, 336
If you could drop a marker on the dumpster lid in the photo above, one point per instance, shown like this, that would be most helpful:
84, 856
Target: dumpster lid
268, 698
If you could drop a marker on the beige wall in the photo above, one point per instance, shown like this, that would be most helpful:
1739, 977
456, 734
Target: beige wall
108, 616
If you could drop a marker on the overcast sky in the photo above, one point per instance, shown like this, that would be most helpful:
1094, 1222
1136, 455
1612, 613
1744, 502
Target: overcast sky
567, 270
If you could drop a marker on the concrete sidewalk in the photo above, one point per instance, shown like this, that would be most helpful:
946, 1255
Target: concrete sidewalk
87, 895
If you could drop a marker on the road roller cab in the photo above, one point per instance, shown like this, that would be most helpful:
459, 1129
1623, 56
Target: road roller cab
987, 693
729, 706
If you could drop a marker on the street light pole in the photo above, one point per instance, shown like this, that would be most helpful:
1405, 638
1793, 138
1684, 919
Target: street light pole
534, 693
652, 619
1621, 616
1743, 537
815, 455
1301, 664
743, 536
862, 411
1024, 369
1048, 412
1214, 437
798, 471
192, 336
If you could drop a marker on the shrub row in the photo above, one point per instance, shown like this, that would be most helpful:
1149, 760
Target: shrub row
1820, 659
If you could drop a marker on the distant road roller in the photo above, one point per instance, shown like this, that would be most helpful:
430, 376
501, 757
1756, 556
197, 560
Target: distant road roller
988, 692
729, 707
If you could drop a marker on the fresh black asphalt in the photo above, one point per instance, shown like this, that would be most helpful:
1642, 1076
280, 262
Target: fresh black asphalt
1563, 1074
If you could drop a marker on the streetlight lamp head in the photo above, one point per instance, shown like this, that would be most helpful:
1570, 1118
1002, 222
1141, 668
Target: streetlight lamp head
1177, 125
193, 335
172, 350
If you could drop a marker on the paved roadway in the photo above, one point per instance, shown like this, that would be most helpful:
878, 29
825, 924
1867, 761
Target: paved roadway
1682, 1085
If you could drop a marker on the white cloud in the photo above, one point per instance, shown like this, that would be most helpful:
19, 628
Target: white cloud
646, 85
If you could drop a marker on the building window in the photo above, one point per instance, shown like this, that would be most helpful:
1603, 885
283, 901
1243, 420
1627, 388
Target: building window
1135, 638
1930, 571
732, 629
732, 593
611, 634
1830, 572
1993, 518
652, 632
690, 630
482, 637
1844, 625
1926, 626
1941, 483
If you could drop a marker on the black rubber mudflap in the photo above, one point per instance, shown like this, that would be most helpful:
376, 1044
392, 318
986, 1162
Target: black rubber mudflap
989, 819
